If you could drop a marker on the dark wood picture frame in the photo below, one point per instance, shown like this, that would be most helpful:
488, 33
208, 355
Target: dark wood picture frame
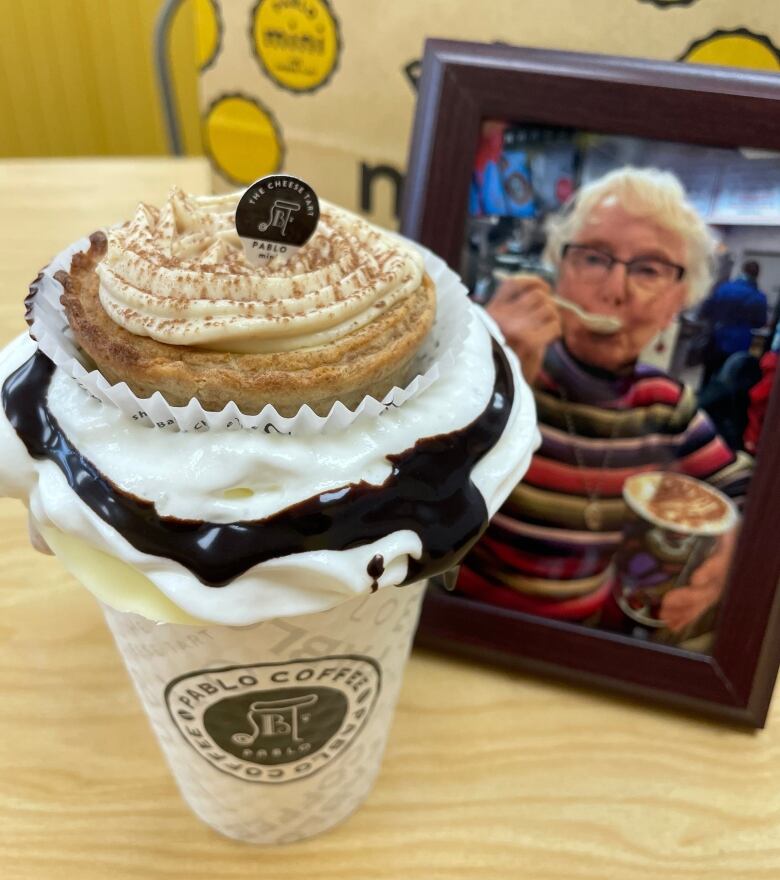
461, 85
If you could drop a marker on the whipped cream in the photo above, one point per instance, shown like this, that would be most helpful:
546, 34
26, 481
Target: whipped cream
179, 275
230, 476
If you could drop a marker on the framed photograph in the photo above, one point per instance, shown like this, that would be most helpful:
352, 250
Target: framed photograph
620, 221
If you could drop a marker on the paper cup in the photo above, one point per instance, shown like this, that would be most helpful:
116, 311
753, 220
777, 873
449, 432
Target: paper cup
274, 732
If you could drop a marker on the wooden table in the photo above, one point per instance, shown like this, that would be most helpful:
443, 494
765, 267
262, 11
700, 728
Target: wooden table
487, 774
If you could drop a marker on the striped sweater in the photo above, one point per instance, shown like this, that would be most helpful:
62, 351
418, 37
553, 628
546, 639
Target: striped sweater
597, 429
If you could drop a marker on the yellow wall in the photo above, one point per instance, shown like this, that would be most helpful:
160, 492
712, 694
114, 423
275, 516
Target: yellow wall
77, 78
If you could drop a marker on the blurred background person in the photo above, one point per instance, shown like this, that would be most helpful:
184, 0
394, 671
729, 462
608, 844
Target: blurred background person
759, 395
735, 308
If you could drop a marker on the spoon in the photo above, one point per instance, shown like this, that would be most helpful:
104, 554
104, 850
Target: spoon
604, 324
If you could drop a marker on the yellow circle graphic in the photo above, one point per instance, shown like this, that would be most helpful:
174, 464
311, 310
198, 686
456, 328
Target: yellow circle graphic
208, 32
242, 139
296, 41
739, 48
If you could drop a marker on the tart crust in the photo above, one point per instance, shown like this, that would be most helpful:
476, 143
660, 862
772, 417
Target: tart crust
370, 360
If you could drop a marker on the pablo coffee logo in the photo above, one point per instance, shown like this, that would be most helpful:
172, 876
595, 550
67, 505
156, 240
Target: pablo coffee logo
276, 216
275, 722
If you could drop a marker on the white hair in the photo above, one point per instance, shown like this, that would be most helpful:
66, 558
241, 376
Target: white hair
649, 193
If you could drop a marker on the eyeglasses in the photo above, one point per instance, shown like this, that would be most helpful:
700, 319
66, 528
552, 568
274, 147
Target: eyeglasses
593, 266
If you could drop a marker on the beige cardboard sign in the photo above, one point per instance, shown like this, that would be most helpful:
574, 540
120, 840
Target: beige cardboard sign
326, 89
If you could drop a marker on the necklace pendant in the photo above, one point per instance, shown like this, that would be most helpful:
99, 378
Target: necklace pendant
593, 517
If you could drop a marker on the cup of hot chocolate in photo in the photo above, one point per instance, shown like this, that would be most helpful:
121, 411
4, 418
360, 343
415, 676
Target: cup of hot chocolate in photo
673, 525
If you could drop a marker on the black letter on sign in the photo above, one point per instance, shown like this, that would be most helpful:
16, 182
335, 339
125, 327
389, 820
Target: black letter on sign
367, 175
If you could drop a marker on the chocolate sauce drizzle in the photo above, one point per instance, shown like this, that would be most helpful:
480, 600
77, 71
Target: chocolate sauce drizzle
375, 569
429, 491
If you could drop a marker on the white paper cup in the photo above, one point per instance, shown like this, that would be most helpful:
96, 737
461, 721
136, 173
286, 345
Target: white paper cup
274, 732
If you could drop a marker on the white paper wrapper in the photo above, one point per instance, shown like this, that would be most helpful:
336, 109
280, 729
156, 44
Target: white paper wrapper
49, 328
274, 732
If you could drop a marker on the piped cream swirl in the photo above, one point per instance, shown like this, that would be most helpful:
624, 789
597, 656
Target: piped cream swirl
178, 274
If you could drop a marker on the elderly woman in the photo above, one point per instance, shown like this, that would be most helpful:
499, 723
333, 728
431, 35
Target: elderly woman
631, 247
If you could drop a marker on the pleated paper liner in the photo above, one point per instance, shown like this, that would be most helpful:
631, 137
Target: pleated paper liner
49, 328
